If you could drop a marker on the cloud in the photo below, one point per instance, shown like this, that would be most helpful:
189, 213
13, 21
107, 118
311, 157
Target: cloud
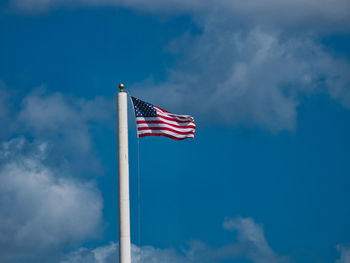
255, 78
320, 14
44, 192
42, 211
251, 245
344, 250
252, 241
252, 63
101, 254
65, 123
109, 254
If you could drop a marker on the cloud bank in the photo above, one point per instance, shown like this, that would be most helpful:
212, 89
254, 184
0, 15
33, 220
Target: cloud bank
252, 63
45, 194
251, 245
42, 211
58, 118
252, 78
325, 14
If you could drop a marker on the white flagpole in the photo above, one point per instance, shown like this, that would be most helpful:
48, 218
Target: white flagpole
123, 179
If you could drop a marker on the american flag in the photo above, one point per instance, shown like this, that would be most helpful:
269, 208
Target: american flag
154, 121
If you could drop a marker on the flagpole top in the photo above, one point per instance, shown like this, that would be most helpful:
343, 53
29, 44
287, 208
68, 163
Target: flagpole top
121, 87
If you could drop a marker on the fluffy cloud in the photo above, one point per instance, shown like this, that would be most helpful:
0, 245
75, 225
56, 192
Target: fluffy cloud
109, 254
58, 118
41, 211
252, 241
101, 254
253, 61
44, 193
251, 245
344, 253
254, 78
324, 14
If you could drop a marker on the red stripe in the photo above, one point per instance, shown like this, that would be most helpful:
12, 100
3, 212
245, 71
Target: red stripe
163, 134
163, 128
162, 122
173, 119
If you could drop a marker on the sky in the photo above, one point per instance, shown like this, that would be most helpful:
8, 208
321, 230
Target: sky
266, 178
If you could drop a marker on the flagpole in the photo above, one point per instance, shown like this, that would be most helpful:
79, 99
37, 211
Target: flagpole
123, 178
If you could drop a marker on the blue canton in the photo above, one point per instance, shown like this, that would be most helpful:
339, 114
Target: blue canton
143, 109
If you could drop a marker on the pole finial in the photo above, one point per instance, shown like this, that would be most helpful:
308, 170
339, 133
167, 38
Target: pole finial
121, 87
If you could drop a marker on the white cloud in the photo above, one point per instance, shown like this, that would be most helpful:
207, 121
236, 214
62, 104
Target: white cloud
109, 254
65, 123
320, 14
251, 245
344, 253
253, 61
51, 114
42, 211
46, 204
252, 241
255, 78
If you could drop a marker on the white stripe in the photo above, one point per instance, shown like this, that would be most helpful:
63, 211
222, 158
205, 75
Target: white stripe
174, 116
166, 121
159, 110
168, 132
189, 125
150, 125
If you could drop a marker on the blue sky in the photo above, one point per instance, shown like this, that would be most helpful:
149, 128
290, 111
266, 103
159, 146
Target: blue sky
266, 178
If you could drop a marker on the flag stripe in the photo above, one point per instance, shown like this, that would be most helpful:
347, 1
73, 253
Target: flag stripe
160, 126
165, 129
166, 135
167, 132
159, 123
147, 119
165, 117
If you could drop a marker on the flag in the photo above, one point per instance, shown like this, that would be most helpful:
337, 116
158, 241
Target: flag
154, 121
